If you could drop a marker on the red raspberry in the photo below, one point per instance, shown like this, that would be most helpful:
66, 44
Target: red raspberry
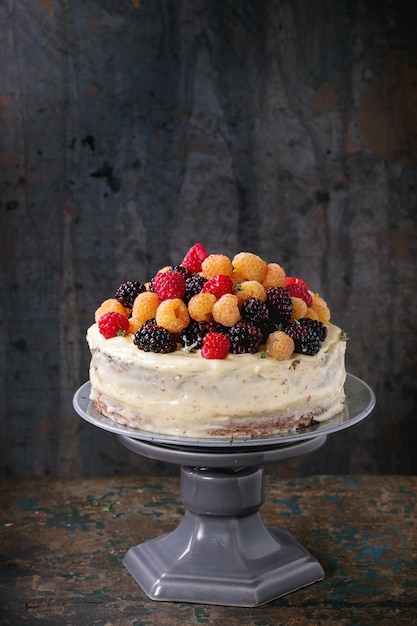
194, 258
218, 285
169, 285
293, 280
300, 290
112, 324
215, 346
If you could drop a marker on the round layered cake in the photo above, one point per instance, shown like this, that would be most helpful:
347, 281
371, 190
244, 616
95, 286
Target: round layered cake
217, 348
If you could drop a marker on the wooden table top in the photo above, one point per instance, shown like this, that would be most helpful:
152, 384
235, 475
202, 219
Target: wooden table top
63, 541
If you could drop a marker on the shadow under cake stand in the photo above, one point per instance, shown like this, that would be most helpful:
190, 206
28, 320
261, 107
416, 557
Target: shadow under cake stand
221, 552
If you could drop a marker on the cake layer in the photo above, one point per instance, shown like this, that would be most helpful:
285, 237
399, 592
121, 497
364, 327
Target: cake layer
184, 395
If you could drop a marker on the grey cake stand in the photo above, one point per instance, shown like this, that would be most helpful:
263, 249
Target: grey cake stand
221, 552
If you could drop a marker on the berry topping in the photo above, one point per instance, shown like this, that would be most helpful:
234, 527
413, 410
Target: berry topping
321, 308
299, 290
193, 285
279, 345
250, 289
275, 276
194, 258
170, 284
294, 280
216, 264
279, 304
112, 324
254, 310
145, 307
250, 266
244, 300
245, 337
307, 335
192, 336
173, 315
182, 270
200, 307
226, 310
299, 308
127, 292
215, 346
153, 338
218, 285
109, 306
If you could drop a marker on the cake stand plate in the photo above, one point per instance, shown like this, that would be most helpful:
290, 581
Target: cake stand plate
221, 552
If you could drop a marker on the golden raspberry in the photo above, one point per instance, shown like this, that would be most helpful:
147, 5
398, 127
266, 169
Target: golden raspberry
145, 306
134, 325
320, 307
237, 277
111, 306
279, 346
275, 276
250, 265
250, 289
226, 310
311, 314
172, 314
216, 264
299, 308
200, 306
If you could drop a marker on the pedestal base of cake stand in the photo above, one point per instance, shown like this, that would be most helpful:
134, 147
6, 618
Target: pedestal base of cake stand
221, 552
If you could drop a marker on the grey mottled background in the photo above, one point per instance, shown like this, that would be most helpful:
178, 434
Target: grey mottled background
131, 129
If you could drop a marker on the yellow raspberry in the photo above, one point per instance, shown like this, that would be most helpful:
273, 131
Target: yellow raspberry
200, 306
216, 264
250, 265
279, 346
172, 314
226, 310
320, 306
311, 314
111, 306
275, 276
250, 289
134, 325
145, 306
299, 308
237, 277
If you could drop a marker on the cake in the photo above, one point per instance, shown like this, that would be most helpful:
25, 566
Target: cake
217, 348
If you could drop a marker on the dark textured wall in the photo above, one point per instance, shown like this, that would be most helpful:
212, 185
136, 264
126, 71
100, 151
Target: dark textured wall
132, 129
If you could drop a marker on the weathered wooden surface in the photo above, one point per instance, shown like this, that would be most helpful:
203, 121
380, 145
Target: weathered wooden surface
131, 129
62, 544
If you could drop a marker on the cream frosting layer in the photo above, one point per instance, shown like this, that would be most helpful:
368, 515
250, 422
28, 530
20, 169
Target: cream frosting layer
183, 394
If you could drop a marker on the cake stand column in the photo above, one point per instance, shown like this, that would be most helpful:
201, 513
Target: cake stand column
221, 552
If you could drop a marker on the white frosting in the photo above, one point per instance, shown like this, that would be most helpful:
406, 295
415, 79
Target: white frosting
184, 394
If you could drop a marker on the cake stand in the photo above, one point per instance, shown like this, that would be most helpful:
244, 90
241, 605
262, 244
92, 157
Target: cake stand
221, 552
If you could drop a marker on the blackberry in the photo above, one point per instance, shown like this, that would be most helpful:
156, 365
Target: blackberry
193, 286
307, 335
153, 338
193, 335
267, 327
254, 310
319, 327
126, 293
245, 337
182, 270
279, 304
